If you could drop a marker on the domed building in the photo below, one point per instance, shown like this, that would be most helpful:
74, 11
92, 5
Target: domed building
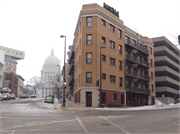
49, 75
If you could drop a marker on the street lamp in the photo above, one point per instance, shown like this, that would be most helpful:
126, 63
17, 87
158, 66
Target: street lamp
101, 76
62, 36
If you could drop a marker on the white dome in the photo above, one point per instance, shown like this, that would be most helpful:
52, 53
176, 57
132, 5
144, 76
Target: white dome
51, 60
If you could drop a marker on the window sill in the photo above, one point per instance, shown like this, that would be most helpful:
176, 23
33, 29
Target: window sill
113, 82
88, 45
113, 65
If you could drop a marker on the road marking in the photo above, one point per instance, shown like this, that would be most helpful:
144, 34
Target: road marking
13, 132
80, 122
115, 125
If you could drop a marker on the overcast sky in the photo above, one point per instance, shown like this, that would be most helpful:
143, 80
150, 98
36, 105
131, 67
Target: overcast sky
34, 26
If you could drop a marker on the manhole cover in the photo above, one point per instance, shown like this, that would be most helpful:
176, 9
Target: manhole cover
105, 124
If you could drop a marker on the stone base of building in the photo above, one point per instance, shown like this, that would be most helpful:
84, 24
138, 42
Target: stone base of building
166, 100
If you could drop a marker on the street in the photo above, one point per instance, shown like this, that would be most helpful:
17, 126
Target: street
33, 116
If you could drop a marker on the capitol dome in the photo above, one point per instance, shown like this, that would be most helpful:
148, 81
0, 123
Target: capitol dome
51, 60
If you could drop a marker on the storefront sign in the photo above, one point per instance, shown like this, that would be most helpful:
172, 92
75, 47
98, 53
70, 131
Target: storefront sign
111, 9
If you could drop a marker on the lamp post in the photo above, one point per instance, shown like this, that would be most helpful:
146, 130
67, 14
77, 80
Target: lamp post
101, 76
62, 36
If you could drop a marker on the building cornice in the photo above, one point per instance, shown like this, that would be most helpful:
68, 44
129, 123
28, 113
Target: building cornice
114, 22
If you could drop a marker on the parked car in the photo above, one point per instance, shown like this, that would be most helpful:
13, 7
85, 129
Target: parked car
49, 98
5, 96
33, 96
8, 95
24, 96
12, 96
1, 97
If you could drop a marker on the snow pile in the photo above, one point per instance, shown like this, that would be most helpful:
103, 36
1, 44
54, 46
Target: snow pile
159, 103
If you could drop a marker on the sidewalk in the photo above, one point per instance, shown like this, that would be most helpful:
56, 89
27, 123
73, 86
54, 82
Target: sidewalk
73, 106
70, 106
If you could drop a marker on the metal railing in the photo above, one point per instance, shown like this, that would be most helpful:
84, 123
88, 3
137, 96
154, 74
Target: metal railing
134, 59
141, 48
71, 65
137, 75
138, 90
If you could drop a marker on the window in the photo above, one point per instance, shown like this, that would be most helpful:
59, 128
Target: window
120, 49
127, 40
120, 65
12, 52
112, 78
88, 77
111, 28
151, 75
20, 53
89, 39
7, 51
103, 76
152, 88
103, 22
88, 58
103, 40
112, 61
141, 73
103, 57
115, 97
151, 50
151, 63
111, 44
120, 82
16, 53
133, 42
89, 21
119, 33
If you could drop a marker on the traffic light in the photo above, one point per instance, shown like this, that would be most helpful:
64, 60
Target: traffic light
97, 83
64, 86
64, 81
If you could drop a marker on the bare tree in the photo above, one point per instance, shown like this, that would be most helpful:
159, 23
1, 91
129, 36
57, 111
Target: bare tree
35, 82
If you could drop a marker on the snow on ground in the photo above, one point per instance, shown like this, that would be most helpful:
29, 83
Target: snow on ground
159, 105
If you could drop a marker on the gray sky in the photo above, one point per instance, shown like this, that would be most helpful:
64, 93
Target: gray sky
34, 26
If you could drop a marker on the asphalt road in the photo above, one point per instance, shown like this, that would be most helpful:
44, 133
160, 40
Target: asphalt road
33, 116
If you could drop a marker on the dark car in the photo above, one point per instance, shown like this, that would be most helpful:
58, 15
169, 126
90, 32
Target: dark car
24, 96
12, 96
49, 98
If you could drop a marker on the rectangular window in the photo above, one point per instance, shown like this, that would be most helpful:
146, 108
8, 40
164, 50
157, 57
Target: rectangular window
103, 40
89, 21
112, 79
152, 88
120, 49
112, 61
119, 33
111, 28
88, 58
141, 85
16, 53
111, 44
103, 57
89, 39
134, 42
120, 65
127, 40
103, 22
151, 50
120, 81
151, 63
151, 75
103, 76
88, 77
115, 97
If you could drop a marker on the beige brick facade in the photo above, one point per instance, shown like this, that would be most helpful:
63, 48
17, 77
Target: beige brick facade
113, 93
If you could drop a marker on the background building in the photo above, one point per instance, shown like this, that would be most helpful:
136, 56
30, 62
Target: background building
127, 61
2, 54
20, 89
49, 74
167, 67
11, 57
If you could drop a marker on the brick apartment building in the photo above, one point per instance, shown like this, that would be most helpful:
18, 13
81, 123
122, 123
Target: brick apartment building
127, 61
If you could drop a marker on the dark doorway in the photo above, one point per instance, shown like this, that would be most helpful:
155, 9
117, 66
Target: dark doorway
88, 99
103, 98
122, 99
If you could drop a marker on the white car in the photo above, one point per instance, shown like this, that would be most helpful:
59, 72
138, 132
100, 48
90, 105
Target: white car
1, 97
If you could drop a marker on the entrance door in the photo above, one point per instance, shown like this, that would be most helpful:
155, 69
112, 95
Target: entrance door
88, 99
122, 99
103, 98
